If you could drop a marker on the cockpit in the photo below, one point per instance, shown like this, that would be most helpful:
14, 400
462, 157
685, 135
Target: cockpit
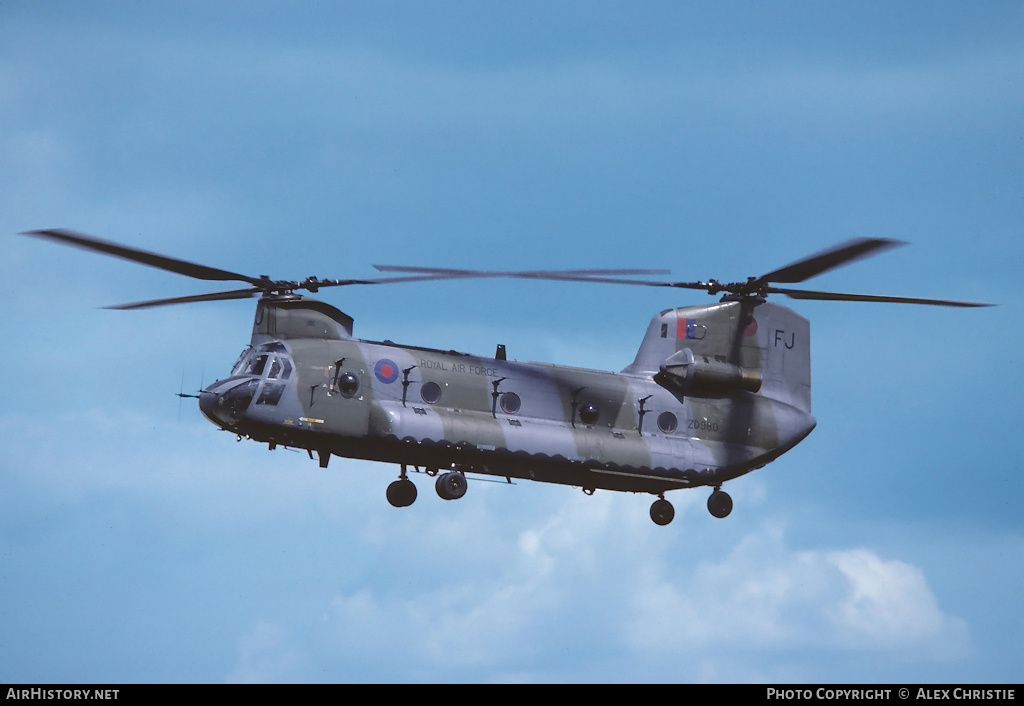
264, 370
254, 361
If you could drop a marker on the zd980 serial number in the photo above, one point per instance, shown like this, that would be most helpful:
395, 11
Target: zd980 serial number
702, 425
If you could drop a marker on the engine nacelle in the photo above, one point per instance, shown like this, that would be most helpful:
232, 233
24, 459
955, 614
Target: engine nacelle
701, 376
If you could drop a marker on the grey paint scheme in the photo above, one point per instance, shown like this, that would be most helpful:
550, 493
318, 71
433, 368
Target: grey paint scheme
722, 431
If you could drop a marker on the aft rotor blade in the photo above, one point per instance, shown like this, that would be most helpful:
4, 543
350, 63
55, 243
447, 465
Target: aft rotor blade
838, 296
539, 274
611, 280
212, 297
181, 267
561, 275
842, 254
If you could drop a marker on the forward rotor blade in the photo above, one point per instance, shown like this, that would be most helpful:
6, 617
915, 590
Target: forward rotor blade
254, 291
212, 297
181, 267
842, 254
838, 296
309, 284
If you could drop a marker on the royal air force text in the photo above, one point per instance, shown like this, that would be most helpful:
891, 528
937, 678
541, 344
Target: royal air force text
453, 367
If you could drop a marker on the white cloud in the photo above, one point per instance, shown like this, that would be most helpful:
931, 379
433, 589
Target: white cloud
606, 598
765, 595
888, 604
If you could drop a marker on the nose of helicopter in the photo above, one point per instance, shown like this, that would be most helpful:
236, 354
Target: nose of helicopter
208, 405
225, 402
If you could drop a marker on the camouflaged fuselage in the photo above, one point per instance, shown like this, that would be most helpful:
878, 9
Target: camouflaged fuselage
714, 392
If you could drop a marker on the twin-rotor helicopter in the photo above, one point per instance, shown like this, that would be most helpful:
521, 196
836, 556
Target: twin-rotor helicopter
714, 392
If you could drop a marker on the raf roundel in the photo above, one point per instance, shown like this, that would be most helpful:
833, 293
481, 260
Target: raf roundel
386, 371
751, 329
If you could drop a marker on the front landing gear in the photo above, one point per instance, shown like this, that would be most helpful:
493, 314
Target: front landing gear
662, 511
720, 503
402, 492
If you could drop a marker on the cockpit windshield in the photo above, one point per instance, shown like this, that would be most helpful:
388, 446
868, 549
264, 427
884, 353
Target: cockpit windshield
244, 361
258, 365
259, 361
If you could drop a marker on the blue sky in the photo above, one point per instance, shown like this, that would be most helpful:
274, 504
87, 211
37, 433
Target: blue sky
138, 543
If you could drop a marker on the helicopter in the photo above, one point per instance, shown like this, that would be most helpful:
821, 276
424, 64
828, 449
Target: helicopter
714, 392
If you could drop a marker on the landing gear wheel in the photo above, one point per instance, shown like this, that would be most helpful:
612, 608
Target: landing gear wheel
451, 485
720, 504
402, 493
662, 512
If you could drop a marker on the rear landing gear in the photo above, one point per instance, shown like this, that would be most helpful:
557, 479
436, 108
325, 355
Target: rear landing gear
451, 485
662, 511
402, 492
720, 504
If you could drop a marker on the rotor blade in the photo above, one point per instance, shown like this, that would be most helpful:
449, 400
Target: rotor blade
181, 267
838, 296
559, 275
212, 297
826, 260
608, 280
521, 273
311, 283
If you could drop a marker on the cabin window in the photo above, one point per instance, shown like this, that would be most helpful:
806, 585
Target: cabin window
430, 392
510, 403
667, 422
348, 384
588, 414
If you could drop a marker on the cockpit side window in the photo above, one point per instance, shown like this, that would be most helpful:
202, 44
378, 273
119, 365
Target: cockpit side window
261, 362
243, 363
280, 368
271, 394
